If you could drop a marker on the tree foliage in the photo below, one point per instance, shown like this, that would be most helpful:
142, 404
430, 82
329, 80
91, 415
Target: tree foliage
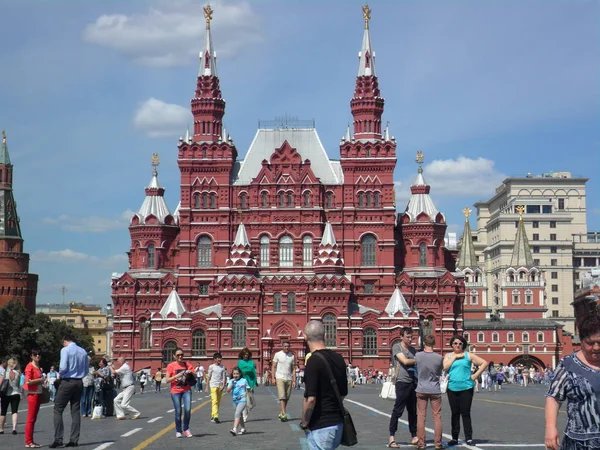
21, 332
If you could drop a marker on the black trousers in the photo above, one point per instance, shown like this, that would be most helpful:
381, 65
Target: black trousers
69, 391
405, 398
460, 405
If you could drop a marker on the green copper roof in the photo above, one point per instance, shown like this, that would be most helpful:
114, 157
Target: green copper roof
4, 158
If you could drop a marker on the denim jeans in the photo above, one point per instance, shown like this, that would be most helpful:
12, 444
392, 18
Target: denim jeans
86, 400
184, 398
328, 438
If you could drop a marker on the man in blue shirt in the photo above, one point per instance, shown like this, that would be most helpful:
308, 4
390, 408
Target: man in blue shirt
74, 365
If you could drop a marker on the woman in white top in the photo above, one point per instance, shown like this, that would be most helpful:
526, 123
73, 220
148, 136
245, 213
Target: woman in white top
12, 396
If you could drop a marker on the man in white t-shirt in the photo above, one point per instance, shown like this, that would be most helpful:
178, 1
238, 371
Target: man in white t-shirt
199, 377
122, 400
282, 369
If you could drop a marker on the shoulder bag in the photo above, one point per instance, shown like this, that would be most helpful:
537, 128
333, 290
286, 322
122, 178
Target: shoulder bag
349, 435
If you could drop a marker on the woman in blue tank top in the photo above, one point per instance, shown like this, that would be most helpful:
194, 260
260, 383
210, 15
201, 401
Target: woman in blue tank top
461, 383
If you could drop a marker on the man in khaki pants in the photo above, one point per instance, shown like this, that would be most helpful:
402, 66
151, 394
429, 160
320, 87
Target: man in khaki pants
282, 369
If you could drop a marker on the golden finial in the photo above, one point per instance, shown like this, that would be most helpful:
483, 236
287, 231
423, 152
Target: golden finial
419, 159
3, 137
155, 163
520, 210
208, 11
366, 14
467, 212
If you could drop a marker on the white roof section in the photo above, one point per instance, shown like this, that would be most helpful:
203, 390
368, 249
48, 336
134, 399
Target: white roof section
366, 57
217, 309
208, 56
176, 213
306, 142
328, 236
241, 237
397, 304
173, 304
154, 203
421, 203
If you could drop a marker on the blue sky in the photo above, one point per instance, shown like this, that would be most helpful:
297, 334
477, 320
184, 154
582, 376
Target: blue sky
90, 89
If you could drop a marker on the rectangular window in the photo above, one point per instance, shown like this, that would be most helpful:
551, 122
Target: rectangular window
480, 337
576, 276
554, 313
474, 238
536, 262
554, 262
369, 288
576, 262
535, 249
536, 237
589, 262
561, 203
553, 249
553, 237
552, 224
554, 275
533, 209
555, 300
546, 209
528, 299
535, 224
555, 288
203, 288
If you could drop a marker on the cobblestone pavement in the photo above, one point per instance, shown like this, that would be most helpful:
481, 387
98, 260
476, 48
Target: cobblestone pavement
512, 418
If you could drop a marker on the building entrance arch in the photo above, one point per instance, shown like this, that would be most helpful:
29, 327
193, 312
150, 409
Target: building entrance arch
169, 352
528, 361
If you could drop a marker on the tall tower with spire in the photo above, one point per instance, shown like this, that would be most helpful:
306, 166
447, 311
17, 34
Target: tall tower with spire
16, 283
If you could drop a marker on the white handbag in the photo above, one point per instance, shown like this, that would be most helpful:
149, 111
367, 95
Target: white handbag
443, 382
388, 391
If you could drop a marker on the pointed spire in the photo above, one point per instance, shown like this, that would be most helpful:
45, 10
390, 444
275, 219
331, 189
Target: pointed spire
366, 56
386, 136
174, 305
348, 136
154, 204
224, 136
467, 257
241, 238
188, 137
328, 256
420, 200
241, 260
397, 304
4, 157
328, 237
521, 256
208, 56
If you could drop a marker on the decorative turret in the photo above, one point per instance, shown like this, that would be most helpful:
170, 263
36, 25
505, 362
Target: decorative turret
420, 202
328, 256
397, 304
467, 257
367, 104
154, 209
241, 260
208, 107
173, 307
521, 256
9, 220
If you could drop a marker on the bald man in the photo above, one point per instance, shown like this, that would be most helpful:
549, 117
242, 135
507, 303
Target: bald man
122, 400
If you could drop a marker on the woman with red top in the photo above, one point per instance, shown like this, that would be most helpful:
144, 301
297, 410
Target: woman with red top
181, 392
33, 386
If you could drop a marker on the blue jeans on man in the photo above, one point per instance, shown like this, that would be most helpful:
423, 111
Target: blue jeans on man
86, 400
183, 399
328, 438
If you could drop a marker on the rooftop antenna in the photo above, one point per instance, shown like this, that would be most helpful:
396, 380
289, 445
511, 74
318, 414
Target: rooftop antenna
63, 291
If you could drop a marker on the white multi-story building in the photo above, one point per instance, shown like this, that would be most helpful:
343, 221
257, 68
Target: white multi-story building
555, 222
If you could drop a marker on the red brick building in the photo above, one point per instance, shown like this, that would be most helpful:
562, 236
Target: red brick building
259, 246
16, 283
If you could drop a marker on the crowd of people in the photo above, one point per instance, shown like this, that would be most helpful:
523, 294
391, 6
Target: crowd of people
420, 379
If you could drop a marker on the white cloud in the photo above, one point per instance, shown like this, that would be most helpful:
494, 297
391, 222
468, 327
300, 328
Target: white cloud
157, 118
68, 256
91, 224
171, 33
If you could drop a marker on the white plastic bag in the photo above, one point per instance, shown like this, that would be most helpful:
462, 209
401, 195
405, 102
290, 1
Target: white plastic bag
97, 412
444, 382
388, 391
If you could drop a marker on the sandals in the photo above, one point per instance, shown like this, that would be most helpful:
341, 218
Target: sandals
393, 444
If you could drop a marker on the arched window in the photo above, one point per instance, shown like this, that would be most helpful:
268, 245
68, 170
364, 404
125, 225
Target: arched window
145, 334
368, 250
426, 325
213, 201
286, 251
281, 199
510, 337
307, 251
466, 336
361, 199
328, 200
474, 300
306, 197
291, 302
368, 152
540, 336
525, 336
264, 251
528, 297
368, 199
330, 325
516, 297
243, 201
204, 252
480, 337
369, 342
276, 302
198, 343
196, 200
264, 198
495, 337
204, 200
239, 331
423, 254
377, 199
169, 352
151, 256
290, 199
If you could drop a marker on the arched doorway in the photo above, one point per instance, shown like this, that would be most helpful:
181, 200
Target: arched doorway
169, 352
528, 361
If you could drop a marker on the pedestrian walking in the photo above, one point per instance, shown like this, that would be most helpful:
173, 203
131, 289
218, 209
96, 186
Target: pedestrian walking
461, 384
12, 396
248, 371
104, 388
87, 397
238, 386
216, 381
74, 365
429, 365
157, 380
181, 392
52, 377
403, 355
199, 369
577, 381
493, 377
122, 401
143, 381
282, 368
3, 365
33, 386
322, 418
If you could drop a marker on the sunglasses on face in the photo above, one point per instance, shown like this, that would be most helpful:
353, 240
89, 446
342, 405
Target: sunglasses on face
179, 354
36, 354
457, 343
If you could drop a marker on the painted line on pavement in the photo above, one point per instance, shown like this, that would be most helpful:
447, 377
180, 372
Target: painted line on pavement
155, 419
165, 430
515, 404
512, 445
430, 430
129, 433
295, 427
103, 446
171, 410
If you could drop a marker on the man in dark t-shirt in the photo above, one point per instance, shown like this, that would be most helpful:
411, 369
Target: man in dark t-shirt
322, 419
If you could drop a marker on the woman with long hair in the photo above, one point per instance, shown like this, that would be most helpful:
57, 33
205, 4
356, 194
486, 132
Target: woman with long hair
181, 392
248, 371
12, 396
461, 383
33, 385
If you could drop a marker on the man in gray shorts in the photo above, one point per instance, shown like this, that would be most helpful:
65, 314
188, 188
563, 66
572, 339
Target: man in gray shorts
284, 375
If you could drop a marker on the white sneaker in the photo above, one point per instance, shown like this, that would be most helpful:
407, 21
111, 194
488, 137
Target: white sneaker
242, 431
178, 435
